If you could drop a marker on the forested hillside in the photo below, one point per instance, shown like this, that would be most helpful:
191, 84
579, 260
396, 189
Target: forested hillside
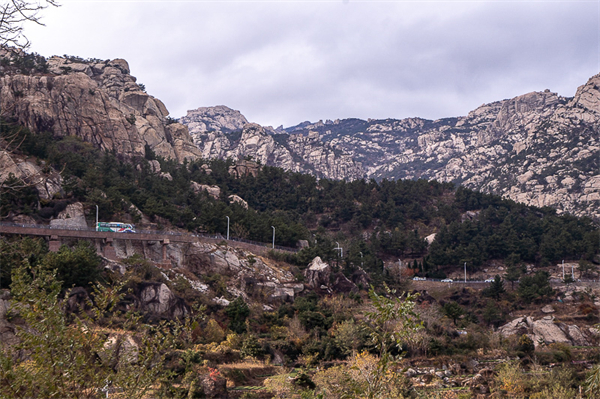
383, 220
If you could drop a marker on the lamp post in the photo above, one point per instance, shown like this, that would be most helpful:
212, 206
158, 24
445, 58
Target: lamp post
273, 236
465, 272
340, 249
96, 217
227, 227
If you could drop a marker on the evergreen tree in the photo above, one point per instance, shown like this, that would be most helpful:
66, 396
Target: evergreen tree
535, 288
238, 312
513, 273
453, 310
495, 289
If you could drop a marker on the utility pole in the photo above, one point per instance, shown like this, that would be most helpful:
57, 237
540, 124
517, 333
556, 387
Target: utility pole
227, 227
465, 272
273, 236
96, 217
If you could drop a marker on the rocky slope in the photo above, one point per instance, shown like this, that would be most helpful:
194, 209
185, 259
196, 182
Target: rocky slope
98, 101
539, 148
220, 132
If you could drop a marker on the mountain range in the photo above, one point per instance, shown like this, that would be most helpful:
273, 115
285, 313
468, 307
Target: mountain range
539, 148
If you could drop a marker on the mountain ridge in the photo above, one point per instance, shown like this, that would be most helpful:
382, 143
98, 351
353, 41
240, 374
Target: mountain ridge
539, 148
96, 100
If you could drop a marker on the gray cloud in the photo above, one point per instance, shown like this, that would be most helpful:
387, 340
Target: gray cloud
284, 62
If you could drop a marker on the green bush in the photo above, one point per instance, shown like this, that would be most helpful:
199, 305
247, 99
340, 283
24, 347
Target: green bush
237, 312
79, 266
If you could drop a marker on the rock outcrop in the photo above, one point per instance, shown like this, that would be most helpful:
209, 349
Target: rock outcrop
317, 273
219, 119
213, 191
157, 298
545, 331
247, 274
244, 168
73, 217
46, 184
97, 101
236, 199
229, 137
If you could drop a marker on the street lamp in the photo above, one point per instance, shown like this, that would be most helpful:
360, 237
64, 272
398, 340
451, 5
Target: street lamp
340, 249
273, 236
227, 227
96, 217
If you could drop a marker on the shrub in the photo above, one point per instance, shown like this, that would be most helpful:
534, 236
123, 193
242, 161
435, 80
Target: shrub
593, 382
510, 379
525, 345
238, 312
251, 347
213, 332
78, 267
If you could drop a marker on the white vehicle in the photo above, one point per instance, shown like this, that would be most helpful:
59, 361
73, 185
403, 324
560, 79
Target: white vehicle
447, 280
489, 280
419, 278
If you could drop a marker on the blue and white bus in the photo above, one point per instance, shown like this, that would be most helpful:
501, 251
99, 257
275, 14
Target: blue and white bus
115, 227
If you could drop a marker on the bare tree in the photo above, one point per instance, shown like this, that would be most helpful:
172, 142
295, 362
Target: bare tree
14, 14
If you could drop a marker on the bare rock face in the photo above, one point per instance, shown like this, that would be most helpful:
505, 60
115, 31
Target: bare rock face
548, 309
247, 274
73, 217
214, 119
317, 274
213, 191
361, 278
341, 283
546, 330
157, 298
539, 148
244, 168
236, 199
120, 350
97, 101
77, 300
274, 148
46, 184
214, 386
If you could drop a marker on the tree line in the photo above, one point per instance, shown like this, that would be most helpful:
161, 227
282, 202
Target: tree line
384, 219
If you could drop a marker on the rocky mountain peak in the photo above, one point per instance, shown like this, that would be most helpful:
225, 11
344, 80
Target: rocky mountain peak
296, 152
538, 148
95, 100
588, 96
219, 119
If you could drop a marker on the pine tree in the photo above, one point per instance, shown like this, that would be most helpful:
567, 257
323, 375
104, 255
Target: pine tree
496, 288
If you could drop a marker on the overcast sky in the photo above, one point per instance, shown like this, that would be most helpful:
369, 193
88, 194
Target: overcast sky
284, 62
